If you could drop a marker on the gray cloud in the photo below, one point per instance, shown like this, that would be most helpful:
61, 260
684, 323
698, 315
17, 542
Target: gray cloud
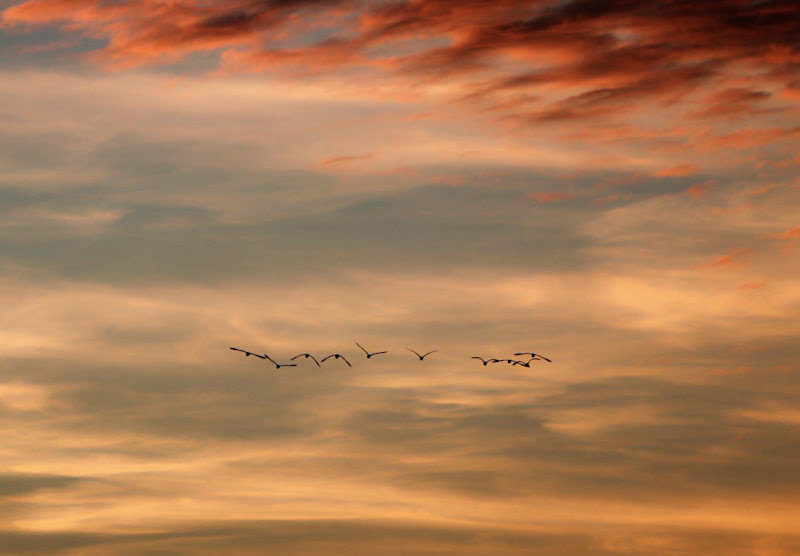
16, 484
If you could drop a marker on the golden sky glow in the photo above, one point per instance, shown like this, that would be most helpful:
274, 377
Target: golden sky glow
612, 184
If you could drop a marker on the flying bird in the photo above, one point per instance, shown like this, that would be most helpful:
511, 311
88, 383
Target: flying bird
248, 353
278, 365
337, 356
486, 361
534, 355
307, 356
524, 363
421, 357
368, 353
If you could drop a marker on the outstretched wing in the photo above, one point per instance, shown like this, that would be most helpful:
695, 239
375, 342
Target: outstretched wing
362, 348
313, 359
267, 357
346, 361
379, 352
328, 357
427, 354
414, 352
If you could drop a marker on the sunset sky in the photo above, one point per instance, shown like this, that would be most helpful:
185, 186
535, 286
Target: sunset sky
612, 183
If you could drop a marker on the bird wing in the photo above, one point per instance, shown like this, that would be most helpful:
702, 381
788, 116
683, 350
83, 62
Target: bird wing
546, 359
414, 352
379, 352
268, 357
365, 351
525, 353
427, 354
476, 357
314, 359
326, 358
296, 356
346, 361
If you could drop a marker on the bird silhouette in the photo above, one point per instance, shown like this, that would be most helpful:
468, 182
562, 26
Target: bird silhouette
279, 365
534, 355
307, 356
248, 353
524, 363
368, 353
486, 361
337, 356
421, 357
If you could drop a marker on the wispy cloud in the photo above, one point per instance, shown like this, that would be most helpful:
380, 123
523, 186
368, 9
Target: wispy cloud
612, 184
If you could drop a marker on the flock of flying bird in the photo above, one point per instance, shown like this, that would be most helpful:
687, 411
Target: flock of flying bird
512, 362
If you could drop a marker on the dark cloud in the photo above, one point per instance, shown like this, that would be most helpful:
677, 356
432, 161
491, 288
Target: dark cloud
17, 484
695, 440
733, 102
306, 537
647, 51
427, 227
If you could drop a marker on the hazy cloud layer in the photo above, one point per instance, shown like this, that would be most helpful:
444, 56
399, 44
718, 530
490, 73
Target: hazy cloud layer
612, 184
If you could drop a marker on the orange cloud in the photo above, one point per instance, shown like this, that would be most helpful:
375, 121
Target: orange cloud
701, 189
732, 102
544, 197
346, 159
792, 233
753, 285
594, 60
742, 369
733, 259
680, 170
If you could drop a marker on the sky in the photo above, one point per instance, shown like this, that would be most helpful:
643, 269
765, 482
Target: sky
613, 184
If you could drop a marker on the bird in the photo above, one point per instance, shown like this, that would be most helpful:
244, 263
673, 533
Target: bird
486, 361
307, 356
534, 355
279, 365
337, 356
421, 357
248, 353
524, 363
368, 353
